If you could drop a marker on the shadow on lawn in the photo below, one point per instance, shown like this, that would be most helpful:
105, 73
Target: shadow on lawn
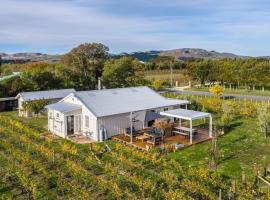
232, 127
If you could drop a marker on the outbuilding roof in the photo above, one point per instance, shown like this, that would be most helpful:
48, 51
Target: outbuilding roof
48, 94
123, 100
185, 114
63, 107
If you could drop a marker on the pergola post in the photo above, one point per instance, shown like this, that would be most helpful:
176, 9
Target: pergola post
190, 131
210, 126
131, 125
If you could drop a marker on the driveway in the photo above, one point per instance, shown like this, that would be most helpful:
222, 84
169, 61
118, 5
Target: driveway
226, 95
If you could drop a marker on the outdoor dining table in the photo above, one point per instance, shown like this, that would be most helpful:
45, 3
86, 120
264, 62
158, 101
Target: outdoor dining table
152, 134
184, 130
142, 137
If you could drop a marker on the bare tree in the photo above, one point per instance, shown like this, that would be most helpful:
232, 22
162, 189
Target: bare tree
213, 152
263, 119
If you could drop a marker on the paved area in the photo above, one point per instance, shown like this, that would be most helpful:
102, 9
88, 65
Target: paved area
227, 95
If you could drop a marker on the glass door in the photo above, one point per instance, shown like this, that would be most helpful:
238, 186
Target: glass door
70, 125
78, 124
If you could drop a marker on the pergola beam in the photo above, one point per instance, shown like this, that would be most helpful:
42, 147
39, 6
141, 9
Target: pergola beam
210, 126
190, 131
131, 130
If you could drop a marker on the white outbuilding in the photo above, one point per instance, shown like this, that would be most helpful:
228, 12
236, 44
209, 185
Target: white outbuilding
52, 96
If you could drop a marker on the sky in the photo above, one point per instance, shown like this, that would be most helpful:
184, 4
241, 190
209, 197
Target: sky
56, 26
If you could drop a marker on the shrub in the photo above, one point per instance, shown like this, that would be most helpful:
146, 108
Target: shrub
157, 84
217, 90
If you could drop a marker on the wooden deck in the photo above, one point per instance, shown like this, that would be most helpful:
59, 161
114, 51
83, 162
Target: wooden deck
201, 136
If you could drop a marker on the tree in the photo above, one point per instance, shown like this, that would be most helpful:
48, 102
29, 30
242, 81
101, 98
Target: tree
86, 62
35, 106
42, 80
227, 115
12, 86
263, 119
123, 72
217, 90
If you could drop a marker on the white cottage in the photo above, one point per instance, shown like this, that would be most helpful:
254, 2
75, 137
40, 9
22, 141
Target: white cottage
101, 114
52, 95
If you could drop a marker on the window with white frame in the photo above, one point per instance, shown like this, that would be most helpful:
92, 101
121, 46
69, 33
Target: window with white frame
86, 121
57, 115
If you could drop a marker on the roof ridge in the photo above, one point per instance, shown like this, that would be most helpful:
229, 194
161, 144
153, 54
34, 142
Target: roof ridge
110, 89
47, 90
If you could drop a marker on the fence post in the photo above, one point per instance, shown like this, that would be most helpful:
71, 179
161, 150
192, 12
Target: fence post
219, 195
234, 189
244, 180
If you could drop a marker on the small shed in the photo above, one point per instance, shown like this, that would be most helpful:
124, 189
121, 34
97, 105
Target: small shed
52, 96
8, 104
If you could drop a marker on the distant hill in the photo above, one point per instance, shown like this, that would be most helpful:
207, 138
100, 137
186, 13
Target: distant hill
192, 53
142, 56
180, 54
29, 57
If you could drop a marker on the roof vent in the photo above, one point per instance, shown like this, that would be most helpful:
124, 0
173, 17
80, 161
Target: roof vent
114, 92
134, 90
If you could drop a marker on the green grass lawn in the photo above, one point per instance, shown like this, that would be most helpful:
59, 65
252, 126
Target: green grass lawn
238, 150
165, 76
236, 91
35, 122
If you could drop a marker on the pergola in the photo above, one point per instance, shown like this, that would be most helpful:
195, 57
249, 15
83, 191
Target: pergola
189, 115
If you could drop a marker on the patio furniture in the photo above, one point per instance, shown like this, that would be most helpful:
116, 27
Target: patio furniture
153, 132
178, 146
154, 140
134, 132
142, 137
183, 131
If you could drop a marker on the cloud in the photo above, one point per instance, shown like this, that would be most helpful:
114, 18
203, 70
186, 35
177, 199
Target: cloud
58, 25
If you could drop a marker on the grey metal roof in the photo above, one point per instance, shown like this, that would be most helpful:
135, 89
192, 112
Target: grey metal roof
185, 114
63, 107
48, 94
8, 99
123, 100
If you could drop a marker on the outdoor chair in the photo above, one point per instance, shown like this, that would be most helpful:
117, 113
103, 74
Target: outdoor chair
134, 132
154, 141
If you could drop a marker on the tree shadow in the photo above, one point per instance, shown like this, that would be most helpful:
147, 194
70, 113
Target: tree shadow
233, 126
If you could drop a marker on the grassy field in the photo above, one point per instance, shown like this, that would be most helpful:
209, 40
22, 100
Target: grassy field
236, 91
126, 173
165, 76
39, 123
238, 151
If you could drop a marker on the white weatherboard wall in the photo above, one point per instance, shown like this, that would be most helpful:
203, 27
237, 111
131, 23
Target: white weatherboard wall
56, 123
117, 124
85, 112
